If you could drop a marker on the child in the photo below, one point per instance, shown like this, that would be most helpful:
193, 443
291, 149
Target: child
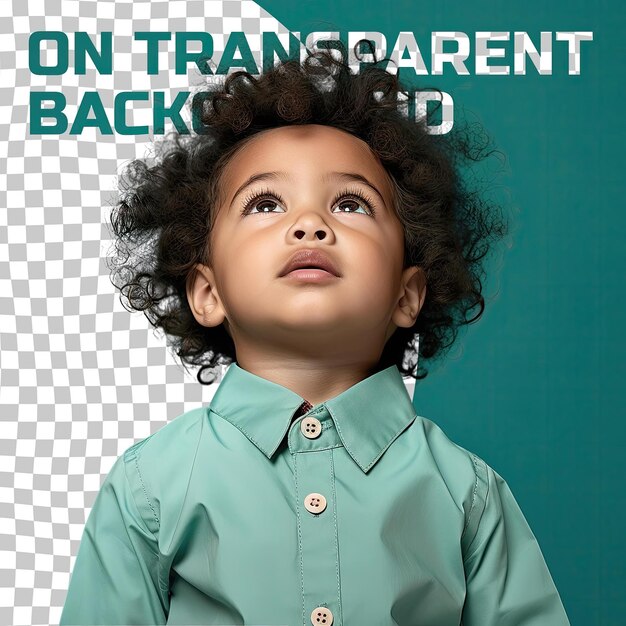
305, 240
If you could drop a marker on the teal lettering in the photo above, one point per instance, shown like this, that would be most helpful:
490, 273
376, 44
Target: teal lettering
103, 60
237, 39
153, 47
201, 59
173, 112
272, 46
37, 113
120, 112
91, 102
34, 52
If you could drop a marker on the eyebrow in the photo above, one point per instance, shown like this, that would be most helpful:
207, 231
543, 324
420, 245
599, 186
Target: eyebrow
257, 177
354, 176
332, 175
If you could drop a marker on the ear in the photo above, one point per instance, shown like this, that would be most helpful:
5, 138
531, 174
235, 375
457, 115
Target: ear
203, 297
412, 296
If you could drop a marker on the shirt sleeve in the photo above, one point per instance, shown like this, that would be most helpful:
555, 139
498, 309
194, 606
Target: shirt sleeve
507, 580
116, 576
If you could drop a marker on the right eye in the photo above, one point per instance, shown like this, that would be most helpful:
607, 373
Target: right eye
263, 201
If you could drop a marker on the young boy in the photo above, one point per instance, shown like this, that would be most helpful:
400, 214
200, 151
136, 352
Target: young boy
306, 238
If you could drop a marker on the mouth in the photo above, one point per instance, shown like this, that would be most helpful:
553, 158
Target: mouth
309, 268
310, 275
310, 262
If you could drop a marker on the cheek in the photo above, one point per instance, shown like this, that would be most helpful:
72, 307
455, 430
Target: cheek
381, 266
377, 269
256, 256
246, 272
378, 256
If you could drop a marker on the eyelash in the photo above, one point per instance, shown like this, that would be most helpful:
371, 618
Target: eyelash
267, 194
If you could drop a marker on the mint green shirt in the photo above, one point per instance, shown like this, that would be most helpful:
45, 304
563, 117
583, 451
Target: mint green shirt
357, 513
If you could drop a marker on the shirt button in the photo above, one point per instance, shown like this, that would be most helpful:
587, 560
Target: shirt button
311, 427
321, 615
315, 502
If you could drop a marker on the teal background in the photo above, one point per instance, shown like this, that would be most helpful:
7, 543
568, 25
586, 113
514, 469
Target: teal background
535, 387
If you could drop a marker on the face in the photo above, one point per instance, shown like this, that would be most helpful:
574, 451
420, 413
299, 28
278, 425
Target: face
317, 188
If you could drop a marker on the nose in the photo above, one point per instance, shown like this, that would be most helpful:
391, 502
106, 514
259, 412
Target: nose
310, 225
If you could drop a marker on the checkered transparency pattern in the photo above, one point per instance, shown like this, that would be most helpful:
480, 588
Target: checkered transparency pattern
81, 379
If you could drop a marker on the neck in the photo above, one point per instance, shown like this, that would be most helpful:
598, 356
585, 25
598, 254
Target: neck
315, 382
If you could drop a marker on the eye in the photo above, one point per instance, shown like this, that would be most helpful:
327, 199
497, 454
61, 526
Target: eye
351, 197
264, 201
352, 201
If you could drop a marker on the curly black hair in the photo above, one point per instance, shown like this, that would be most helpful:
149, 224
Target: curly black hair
163, 218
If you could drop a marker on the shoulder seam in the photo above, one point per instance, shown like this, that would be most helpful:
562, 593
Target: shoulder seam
469, 516
145, 491
474, 516
132, 456
134, 501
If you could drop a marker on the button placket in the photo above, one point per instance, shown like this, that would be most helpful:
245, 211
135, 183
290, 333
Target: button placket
317, 529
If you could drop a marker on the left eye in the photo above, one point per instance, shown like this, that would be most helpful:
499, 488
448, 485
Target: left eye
266, 205
353, 202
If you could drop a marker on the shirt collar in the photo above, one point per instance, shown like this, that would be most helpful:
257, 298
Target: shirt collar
368, 416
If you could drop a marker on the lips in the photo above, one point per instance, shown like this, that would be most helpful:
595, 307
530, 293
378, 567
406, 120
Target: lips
310, 258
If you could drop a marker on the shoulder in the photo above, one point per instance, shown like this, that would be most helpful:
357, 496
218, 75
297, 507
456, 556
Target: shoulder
171, 442
466, 475
452, 459
158, 467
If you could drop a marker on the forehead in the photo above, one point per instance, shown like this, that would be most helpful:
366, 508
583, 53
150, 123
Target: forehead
307, 149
